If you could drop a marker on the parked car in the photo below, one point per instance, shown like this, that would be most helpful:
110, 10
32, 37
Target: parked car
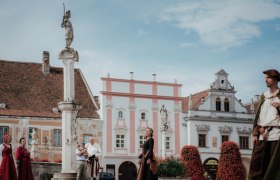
106, 176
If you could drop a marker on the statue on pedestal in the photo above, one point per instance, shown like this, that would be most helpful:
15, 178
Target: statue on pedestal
34, 144
66, 23
164, 118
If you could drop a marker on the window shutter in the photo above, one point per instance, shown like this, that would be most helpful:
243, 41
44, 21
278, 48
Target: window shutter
52, 137
39, 135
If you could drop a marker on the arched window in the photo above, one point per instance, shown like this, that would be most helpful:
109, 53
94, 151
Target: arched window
226, 104
218, 104
143, 115
120, 114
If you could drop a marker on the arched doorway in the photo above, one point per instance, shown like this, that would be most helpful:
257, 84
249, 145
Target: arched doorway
127, 170
211, 167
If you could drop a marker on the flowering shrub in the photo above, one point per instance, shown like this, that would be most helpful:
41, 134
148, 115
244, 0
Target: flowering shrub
58, 161
39, 160
191, 159
170, 167
230, 163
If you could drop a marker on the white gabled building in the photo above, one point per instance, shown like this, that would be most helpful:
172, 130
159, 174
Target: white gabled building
129, 106
214, 116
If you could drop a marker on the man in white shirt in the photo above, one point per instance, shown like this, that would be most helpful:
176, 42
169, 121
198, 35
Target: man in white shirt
266, 131
81, 156
94, 153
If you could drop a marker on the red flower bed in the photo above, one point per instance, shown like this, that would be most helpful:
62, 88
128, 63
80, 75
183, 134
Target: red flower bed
230, 164
191, 159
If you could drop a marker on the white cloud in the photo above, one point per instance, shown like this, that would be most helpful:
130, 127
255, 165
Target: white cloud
277, 27
220, 23
141, 32
186, 44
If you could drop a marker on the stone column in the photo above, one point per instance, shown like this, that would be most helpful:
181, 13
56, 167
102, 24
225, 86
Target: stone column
163, 143
69, 109
163, 129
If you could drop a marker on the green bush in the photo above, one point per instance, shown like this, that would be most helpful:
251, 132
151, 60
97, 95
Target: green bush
170, 167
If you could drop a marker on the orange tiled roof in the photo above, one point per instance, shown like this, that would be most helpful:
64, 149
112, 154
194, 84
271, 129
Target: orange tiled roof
26, 91
196, 99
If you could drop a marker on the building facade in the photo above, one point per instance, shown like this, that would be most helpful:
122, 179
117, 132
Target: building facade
214, 116
29, 97
129, 106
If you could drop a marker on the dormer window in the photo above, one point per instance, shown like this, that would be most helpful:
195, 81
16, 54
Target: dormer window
218, 104
143, 115
226, 104
120, 115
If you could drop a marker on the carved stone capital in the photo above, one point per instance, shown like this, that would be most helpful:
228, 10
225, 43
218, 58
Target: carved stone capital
69, 106
203, 128
154, 107
225, 129
243, 130
121, 130
177, 109
109, 105
132, 107
69, 53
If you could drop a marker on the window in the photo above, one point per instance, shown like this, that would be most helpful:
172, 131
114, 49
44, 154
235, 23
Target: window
141, 141
218, 104
120, 141
120, 114
30, 130
57, 137
143, 115
3, 130
167, 144
202, 140
226, 104
244, 142
86, 138
224, 138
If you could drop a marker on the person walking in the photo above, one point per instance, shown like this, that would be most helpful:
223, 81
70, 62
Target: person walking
265, 159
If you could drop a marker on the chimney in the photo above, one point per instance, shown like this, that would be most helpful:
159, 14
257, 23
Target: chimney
256, 98
96, 99
46, 63
154, 75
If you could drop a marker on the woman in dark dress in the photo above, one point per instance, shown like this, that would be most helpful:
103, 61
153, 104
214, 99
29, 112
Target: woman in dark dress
23, 161
147, 157
7, 169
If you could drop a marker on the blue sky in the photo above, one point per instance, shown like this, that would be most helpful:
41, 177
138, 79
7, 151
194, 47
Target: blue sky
187, 40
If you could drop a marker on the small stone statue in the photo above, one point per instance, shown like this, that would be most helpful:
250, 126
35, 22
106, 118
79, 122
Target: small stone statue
66, 23
34, 137
164, 118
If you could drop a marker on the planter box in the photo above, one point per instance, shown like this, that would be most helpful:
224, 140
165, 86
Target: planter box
170, 178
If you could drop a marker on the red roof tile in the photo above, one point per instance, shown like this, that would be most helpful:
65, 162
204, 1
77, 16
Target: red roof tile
26, 91
196, 100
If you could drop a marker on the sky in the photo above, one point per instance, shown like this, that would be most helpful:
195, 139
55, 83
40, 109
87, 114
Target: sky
186, 40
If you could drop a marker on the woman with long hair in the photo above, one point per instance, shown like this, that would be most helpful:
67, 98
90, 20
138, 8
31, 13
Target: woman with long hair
7, 168
147, 170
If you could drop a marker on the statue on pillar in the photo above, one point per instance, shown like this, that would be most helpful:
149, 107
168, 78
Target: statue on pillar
66, 23
34, 137
34, 144
164, 118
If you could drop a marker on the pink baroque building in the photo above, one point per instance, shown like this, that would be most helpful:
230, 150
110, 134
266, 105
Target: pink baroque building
129, 106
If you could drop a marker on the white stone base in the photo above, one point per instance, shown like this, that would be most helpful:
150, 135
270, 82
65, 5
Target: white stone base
63, 176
